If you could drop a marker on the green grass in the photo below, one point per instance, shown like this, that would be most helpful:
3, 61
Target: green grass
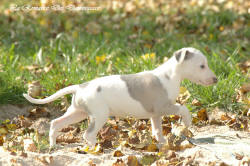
63, 37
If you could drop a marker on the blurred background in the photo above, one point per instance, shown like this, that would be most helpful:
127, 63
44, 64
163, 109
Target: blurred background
73, 41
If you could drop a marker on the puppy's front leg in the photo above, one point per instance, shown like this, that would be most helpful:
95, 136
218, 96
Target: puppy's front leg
184, 112
157, 129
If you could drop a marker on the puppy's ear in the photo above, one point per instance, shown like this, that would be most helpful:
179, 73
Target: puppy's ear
183, 55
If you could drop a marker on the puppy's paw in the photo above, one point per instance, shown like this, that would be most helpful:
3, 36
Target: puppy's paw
90, 139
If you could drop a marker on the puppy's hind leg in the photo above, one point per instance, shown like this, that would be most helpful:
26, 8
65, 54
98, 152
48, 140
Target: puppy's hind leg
72, 115
97, 120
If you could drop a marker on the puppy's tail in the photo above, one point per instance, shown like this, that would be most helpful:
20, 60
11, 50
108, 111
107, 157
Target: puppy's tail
61, 92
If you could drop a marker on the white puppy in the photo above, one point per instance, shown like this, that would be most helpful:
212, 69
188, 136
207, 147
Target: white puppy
148, 94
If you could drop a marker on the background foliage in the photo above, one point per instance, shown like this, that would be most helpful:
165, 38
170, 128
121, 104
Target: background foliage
60, 48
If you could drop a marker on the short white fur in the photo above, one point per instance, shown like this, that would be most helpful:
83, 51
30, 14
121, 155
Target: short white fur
113, 98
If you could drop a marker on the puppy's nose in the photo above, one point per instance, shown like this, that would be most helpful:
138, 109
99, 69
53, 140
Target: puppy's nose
215, 79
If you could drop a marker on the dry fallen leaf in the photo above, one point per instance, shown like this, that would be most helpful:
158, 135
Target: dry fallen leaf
238, 156
11, 126
38, 113
133, 161
244, 66
225, 117
130, 7
176, 140
108, 133
202, 115
31, 67
181, 130
151, 148
245, 161
184, 95
245, 88
195, 102
118, 153
3, 130
34, 89
29, 145
149, 159
214, 116
1, 140
119, 162
166, 130
46, 160
97, 150
67, 138
48, 68
109, 68
91, 163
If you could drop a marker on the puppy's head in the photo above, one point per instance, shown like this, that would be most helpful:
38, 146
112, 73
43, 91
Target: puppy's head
192, 65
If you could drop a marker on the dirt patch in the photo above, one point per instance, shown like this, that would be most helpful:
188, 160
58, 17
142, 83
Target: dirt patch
11, 111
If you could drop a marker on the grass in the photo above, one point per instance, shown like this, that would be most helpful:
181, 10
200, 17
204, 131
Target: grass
75, 53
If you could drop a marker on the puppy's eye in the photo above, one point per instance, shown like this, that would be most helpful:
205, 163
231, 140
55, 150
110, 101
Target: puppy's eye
202, 66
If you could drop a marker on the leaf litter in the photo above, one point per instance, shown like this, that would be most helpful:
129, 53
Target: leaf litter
122, 141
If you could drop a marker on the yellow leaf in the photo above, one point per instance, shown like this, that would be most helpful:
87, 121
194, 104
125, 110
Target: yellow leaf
225, 117
152, 55
159, 154
211, 36
6, 121
97, 59
221, 28
96, 150
75, 34
195, 120
131, 132
100, 59
148, 56
147, 45
107, 34
149, 159
152, 148
1, 140
140, 146
11, 126
43, 22
145, 33
171, 116
183, 90
103, 57
86, 149
3, 130
68, 25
